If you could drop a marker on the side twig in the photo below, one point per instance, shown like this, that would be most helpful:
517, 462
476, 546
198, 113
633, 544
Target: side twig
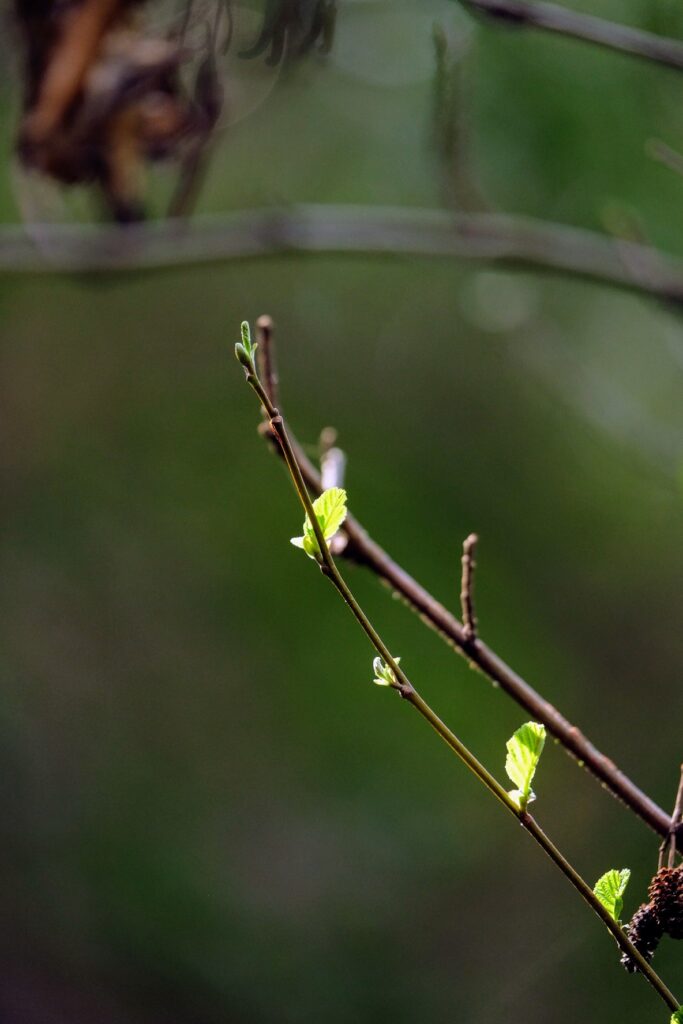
408, 692
469, 619
266, 357
669, 846
364, 551
561, 21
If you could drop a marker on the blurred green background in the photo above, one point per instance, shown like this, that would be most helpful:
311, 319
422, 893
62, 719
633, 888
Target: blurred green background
209, 814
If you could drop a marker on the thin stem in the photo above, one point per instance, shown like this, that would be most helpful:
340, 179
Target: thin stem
469, 619
266, 358
608, 34
677, 816
363, 550
409, 693
670, 843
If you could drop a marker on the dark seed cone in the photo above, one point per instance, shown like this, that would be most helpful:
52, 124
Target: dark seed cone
666, 896
644, 930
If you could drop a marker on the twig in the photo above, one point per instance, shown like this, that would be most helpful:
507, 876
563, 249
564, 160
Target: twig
408, 692
266, 356
364, 551
495, 238
608, 34
676, 820
469, 619
670, 842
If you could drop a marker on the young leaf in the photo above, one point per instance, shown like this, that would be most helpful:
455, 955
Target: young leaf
610, 891
384, 674
244, 350
330, 510
677, 1017
524, 751
246, 338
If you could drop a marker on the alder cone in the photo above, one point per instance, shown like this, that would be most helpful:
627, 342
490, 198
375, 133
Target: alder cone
666, 896
644, 930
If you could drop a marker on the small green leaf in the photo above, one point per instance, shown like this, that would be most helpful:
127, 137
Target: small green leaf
246, 338
242, 356
610, 889
677, 1017
244, 350
524, 751
330, 511
384, 674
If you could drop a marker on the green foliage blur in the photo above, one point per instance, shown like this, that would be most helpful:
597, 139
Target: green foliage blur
209, 813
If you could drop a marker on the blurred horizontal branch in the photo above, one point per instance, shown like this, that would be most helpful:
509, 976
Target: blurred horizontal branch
398, 231
608, 34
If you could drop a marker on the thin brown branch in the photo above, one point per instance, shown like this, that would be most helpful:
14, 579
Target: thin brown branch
469, 619
669, 847
676, 821
561, 21
266, 358
364, 551
515, 242
409, 693
677, 816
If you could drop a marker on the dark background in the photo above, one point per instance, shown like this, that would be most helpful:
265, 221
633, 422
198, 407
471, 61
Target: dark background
209, 813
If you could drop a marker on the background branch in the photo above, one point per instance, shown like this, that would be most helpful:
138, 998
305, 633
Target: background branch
496, 238
608, 34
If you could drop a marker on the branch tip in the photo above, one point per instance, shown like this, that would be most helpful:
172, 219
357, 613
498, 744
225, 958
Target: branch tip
265, 337
469, 619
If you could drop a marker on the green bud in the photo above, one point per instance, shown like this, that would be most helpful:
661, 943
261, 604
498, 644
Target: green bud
243, 356
384, 675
